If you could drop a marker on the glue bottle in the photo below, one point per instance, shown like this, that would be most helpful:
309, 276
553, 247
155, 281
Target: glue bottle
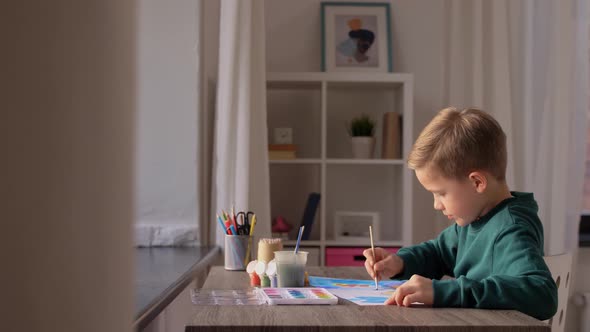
261, 272
254, 278
271, 272
264, 281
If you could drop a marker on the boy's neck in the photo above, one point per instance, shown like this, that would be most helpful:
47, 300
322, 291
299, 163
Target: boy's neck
498, 191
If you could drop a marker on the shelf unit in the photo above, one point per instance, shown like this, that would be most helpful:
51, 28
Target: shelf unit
317, 106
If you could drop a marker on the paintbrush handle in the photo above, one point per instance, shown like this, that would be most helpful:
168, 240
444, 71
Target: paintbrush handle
374, 257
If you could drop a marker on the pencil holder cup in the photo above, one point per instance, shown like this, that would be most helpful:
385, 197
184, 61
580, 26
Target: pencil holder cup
236, 249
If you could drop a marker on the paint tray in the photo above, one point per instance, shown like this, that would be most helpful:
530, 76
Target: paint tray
226, 297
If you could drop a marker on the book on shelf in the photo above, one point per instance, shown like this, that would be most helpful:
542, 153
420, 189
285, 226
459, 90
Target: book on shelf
391, 145
311, 207
282, 147
281, 155
282, 151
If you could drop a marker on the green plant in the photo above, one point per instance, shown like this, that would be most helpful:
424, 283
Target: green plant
361, 126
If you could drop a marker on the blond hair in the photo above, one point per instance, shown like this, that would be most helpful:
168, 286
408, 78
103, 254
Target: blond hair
458, 142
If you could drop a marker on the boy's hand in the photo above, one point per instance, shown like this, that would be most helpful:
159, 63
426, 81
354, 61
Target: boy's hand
417, 289
385, 264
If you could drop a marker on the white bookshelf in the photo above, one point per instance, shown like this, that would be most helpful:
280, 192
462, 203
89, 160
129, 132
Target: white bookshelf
316, 105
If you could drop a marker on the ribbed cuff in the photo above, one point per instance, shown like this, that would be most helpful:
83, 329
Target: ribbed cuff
447, 293
410, 266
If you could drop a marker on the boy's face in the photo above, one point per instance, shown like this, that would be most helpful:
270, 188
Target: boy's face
456, 199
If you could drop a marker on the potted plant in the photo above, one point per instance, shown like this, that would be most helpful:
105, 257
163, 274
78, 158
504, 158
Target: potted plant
361, 130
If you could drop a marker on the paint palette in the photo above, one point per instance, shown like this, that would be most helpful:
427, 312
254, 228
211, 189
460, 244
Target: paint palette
297, 296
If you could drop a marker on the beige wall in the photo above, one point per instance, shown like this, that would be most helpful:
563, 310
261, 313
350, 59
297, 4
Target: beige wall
66, 142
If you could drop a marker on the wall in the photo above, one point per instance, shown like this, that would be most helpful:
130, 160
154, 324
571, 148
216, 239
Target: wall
66, 136
167, 92
209, 37
294, 45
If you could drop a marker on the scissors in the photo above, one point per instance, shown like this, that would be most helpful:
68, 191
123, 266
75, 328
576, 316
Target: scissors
244, 222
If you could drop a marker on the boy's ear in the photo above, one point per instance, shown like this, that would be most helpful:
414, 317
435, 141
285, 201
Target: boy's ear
479, 181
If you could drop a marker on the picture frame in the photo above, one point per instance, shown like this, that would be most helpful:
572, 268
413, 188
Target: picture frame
356, 37
353, 226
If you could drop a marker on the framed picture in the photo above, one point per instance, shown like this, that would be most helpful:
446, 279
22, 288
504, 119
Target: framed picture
356, 37
353, 226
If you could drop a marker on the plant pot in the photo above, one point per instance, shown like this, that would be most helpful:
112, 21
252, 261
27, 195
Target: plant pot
363, 147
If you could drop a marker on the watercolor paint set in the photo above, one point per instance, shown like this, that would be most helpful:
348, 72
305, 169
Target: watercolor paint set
297, 296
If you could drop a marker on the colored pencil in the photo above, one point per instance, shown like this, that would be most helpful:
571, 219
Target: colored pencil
233, 217
221, 224
228, 226
250, 239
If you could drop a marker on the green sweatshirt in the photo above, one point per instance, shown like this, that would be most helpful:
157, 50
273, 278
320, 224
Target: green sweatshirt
497, 262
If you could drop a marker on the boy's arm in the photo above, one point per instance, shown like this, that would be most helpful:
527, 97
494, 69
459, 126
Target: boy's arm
520, 280
431, 259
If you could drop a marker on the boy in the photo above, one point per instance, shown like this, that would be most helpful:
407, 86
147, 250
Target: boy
494, 250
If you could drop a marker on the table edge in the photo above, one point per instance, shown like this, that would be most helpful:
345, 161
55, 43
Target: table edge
155, 307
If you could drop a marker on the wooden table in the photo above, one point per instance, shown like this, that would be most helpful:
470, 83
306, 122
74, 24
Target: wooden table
346, 316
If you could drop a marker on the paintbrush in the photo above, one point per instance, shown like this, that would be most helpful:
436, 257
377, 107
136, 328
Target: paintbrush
374, 258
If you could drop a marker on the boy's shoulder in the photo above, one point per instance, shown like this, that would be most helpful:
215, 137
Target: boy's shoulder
520, 211
520, 208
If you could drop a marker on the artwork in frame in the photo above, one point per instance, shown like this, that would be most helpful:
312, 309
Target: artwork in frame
356, 37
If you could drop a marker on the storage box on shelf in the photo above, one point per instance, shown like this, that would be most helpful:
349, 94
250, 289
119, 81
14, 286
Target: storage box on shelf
350, 256
317, 107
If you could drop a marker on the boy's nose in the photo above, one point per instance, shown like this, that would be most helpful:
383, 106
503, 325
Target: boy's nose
437, 205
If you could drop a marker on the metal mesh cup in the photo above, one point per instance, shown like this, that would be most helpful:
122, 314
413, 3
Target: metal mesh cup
235, 252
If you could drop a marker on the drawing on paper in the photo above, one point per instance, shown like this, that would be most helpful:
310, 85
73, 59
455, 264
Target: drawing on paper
364, 296
335, 283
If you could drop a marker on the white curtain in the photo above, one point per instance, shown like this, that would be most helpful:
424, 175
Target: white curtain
556, 105
526, 62
240, 165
